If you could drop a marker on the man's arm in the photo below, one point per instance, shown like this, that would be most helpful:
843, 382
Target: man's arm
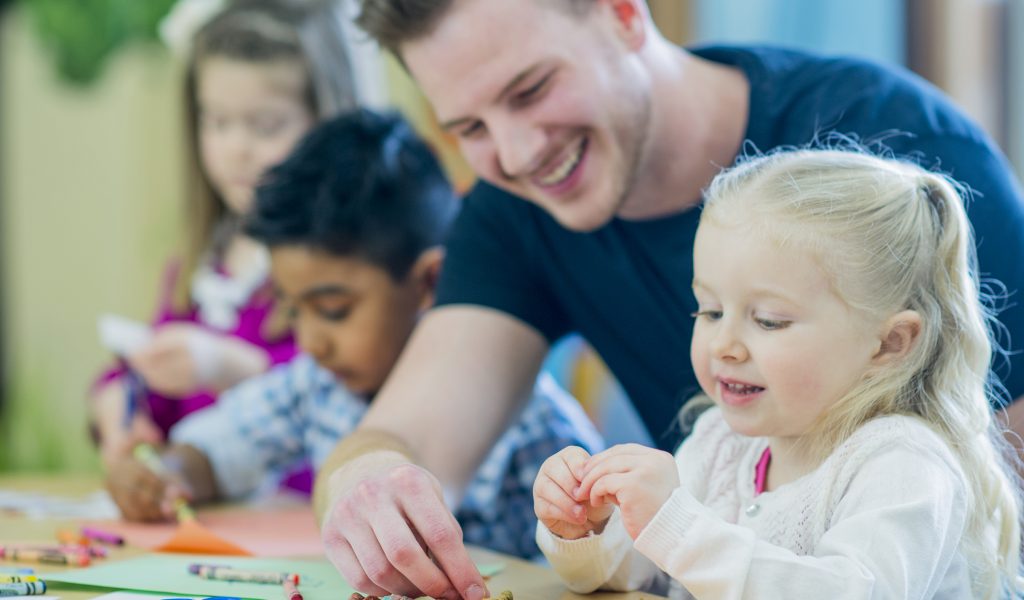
459, 382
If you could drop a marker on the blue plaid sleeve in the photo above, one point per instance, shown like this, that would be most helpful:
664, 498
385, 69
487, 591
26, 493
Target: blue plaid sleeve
496, 511
255, 429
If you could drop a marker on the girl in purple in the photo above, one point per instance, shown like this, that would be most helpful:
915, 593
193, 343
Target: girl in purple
259, 75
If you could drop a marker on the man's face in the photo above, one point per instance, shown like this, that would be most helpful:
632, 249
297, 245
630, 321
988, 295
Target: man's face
550, 106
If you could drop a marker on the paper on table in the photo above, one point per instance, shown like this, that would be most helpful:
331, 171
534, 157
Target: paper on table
259, 533
168, 574
34, 505
146, 596
121, 335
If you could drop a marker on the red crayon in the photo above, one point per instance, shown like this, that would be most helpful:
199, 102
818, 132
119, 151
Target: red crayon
291, 591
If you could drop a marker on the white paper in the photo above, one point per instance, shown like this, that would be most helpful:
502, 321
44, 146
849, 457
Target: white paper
123, 336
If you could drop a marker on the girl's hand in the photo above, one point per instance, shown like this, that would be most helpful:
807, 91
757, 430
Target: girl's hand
553, 497
116, 441
637, 479
183, 358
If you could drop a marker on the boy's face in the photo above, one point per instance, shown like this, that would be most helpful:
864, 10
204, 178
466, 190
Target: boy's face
551, 106
349, 314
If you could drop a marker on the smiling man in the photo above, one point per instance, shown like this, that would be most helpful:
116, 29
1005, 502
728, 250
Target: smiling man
593, 137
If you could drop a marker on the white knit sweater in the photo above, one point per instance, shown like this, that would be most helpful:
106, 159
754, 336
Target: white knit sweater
882, 517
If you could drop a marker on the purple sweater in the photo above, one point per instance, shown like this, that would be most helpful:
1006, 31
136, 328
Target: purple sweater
168, 411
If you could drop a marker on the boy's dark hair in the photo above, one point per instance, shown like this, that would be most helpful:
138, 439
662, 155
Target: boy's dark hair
362, 184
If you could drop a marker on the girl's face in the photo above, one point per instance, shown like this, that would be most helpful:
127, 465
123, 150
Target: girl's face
773, 345
250, 117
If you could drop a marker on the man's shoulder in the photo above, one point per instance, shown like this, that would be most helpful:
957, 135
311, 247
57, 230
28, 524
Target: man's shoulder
796, 96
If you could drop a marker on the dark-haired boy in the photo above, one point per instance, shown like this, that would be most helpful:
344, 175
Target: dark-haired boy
354, 220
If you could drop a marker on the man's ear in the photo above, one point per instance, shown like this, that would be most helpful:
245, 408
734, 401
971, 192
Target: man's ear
898, 336
631, 21
425, 273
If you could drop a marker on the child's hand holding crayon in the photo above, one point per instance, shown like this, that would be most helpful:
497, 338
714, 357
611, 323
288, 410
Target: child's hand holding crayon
555, 496
152, 485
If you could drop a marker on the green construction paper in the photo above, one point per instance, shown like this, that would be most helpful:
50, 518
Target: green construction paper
168, 574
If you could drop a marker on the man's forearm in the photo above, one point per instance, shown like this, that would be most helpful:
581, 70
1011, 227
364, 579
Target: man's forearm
360, 443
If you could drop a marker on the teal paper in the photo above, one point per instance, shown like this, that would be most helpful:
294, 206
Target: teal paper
168, 574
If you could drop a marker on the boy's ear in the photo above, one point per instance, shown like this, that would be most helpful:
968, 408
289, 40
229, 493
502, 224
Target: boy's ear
899, 334
425, 273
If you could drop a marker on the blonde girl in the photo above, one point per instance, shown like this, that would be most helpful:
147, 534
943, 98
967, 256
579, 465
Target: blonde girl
259, 75
851, 451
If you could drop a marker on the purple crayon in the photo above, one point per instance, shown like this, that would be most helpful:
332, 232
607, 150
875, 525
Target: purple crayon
102, 536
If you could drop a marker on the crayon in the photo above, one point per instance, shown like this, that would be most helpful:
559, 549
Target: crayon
291, 592
102, 536
16, 570
222, 573
34, 588
18, 578
44, 556
93, 551
69, 537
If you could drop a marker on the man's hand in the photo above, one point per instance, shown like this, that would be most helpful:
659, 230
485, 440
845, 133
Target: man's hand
388, 531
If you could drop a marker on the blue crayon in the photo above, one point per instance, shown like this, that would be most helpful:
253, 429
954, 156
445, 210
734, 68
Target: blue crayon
32, 588
17, 570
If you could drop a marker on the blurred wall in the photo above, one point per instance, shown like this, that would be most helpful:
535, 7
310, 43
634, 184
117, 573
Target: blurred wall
90, 195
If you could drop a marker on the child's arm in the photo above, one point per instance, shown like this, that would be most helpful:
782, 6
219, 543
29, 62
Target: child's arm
894, 534
255, 429
114, 430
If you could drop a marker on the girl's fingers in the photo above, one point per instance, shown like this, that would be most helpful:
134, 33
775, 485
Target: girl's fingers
620, 462
607, 488
555, 494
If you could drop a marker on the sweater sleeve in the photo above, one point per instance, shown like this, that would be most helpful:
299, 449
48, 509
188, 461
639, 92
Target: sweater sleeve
605, 561
894, 534
608, 560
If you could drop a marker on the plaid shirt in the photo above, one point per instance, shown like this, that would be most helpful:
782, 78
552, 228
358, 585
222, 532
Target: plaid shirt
297, 412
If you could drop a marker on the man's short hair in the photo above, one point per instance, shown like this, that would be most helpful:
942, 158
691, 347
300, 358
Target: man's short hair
361, 185
394, 22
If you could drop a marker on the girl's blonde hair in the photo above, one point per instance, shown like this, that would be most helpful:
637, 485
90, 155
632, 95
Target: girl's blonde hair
309, 32
893, 236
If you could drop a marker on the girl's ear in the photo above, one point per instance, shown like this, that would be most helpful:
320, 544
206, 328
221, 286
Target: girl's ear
899, 334
425, 273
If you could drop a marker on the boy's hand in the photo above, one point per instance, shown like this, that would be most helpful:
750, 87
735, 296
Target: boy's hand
638, 479
141, 494
555, 497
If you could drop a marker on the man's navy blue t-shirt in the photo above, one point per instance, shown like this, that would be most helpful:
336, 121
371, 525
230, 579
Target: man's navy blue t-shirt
626, 286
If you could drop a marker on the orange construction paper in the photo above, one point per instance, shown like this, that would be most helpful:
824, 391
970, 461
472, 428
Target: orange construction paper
272, 532
192, 538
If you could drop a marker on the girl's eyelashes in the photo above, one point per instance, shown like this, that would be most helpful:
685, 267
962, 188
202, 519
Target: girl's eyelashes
772, 324
765, 323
